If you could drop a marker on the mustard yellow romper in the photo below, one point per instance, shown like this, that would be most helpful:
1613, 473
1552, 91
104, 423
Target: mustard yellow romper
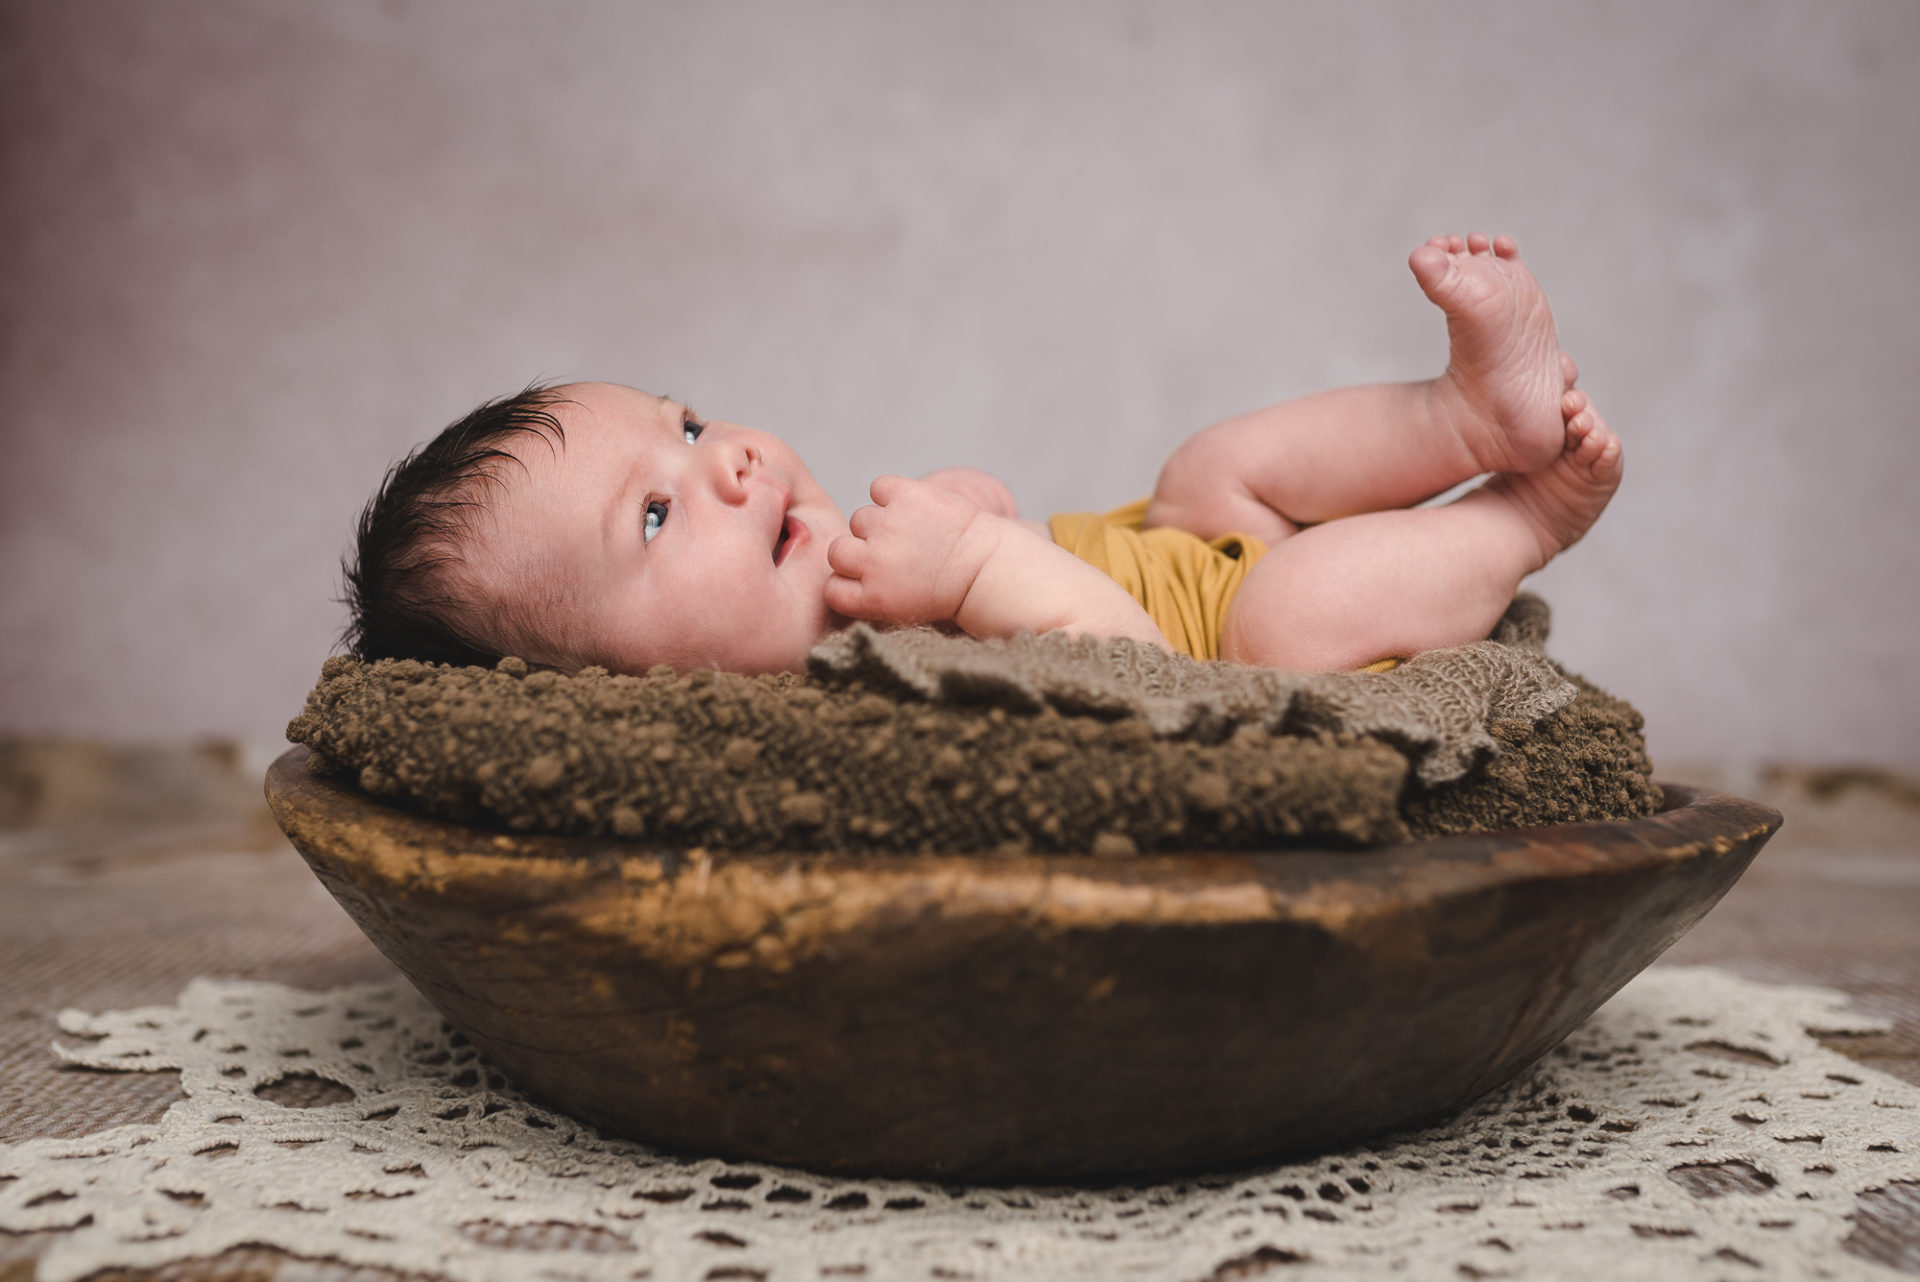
1184, 581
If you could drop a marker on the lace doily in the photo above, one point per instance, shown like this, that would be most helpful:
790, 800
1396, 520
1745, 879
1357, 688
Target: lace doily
1691, 1128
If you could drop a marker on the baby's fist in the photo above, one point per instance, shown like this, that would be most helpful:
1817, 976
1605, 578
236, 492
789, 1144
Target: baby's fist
987, 491
911, 557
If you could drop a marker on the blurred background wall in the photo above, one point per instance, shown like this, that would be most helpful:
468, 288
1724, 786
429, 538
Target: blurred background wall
253, 250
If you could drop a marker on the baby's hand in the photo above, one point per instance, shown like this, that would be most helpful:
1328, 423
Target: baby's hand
987, 491
912, 557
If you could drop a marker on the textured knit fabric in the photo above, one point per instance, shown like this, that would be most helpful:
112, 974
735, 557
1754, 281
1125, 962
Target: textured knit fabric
1185, 582
909, 740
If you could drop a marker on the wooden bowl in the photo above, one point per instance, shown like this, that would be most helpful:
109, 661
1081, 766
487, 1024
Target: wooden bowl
1014, 1017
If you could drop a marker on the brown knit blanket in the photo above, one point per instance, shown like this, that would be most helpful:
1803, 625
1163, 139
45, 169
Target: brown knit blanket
912, 740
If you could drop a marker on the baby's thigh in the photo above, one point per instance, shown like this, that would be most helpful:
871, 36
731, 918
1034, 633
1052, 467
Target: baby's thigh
1254, 629
1295, 611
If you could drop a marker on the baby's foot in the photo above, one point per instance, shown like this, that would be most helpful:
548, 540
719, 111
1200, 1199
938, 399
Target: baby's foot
1562, 501
1506, 373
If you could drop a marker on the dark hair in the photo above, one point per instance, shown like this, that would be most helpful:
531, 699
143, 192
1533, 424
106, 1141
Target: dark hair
401, 594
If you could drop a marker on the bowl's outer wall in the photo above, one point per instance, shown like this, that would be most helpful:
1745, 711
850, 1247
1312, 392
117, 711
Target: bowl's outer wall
1023, 1017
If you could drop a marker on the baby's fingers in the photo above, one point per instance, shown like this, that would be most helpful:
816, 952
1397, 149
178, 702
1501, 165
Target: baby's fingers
855, 599
847, 597
885, 488
849, 555
864, 520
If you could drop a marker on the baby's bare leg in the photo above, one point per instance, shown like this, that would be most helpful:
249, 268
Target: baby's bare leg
1367, 449
1342, 594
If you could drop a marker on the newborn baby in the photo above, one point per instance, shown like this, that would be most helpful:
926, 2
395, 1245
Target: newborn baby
592, 524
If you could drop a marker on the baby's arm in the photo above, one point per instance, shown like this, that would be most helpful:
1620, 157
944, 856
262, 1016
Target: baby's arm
924, 554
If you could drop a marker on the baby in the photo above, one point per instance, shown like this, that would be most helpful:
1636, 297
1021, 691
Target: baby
594, 524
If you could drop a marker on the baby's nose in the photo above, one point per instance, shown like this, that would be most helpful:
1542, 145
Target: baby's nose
739, 460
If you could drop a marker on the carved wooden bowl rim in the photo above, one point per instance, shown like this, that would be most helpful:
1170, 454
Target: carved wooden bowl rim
1470, 955
394, 846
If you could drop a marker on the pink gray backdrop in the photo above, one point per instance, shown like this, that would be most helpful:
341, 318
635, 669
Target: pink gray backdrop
252, 250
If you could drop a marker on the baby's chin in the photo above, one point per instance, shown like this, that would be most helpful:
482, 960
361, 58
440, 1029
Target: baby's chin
754, 659
745, 652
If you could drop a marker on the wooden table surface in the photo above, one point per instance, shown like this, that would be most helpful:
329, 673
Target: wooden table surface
124, 876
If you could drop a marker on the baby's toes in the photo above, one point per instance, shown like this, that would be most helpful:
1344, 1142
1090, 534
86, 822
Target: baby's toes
1569, 370
1430, 264
1506, 247
1478, 242
1610, 457
1603, 436
1580, 432
1604, 467
1590, 437
1573, 405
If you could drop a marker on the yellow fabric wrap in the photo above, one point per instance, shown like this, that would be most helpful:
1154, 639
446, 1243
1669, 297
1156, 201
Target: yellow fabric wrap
1185, 582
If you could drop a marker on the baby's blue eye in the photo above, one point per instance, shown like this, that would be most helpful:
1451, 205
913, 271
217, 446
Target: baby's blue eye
656, 517
691, 429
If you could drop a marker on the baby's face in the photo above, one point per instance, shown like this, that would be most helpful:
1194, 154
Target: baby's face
653, 536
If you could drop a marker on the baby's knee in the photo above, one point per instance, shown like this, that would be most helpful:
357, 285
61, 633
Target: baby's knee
1202, 492
1198, 472
1232, 514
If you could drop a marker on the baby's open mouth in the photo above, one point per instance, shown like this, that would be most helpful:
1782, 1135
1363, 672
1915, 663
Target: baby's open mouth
784, 541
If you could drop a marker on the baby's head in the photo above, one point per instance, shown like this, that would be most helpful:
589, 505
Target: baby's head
595, 524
